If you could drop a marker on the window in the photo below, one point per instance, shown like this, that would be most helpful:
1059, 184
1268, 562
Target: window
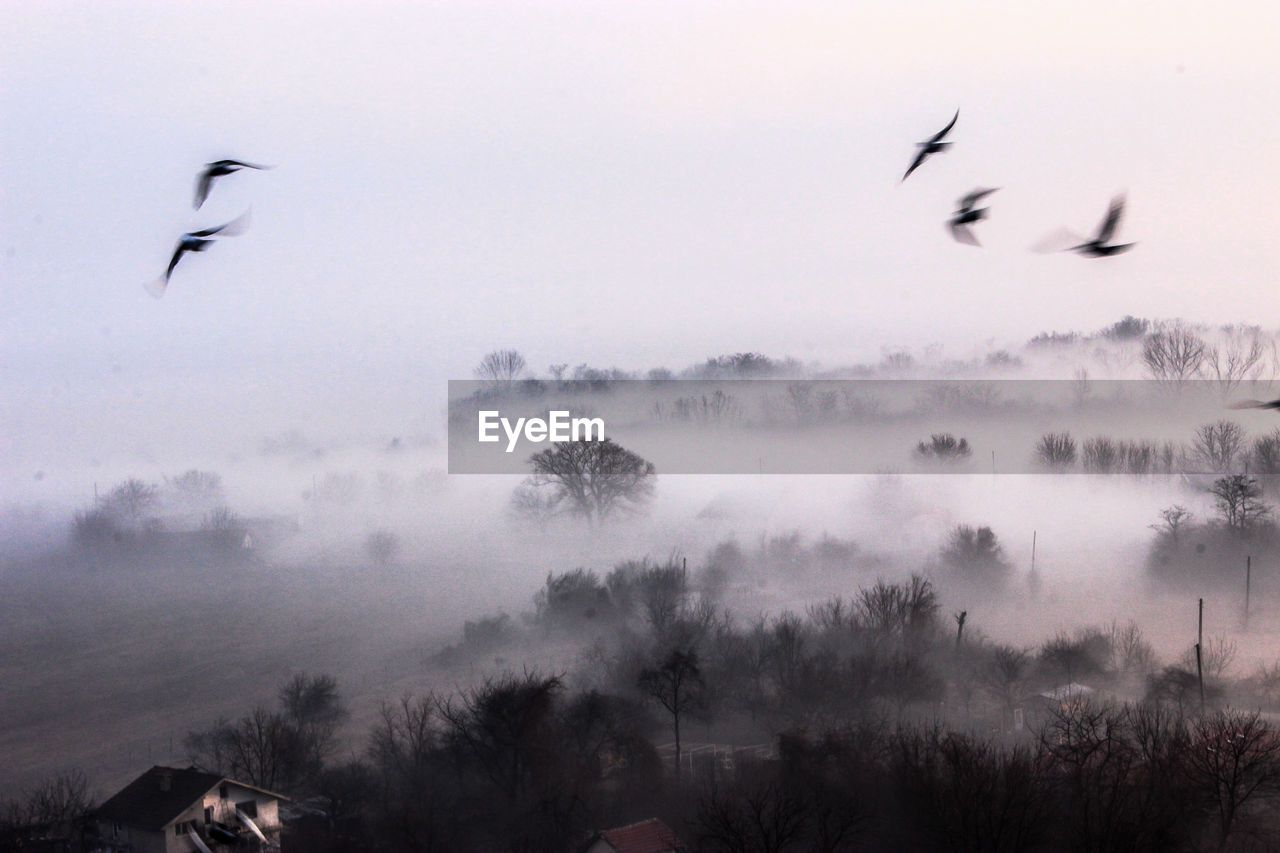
249, 807
208, 816
222, 791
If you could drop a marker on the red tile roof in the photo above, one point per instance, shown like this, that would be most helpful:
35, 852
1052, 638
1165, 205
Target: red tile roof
647, 836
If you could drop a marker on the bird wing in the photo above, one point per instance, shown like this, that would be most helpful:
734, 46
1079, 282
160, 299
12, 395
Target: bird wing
1112, 219
963, 234
1057, 241
226, 229
1255, 404
915, 164
242, 164
202, 186
173, 262
974, 197
157, 287
937, 137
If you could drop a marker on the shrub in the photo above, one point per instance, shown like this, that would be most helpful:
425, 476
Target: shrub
943, 447
1056, 451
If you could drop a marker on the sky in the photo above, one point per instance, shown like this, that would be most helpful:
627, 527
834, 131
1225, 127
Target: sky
635, 184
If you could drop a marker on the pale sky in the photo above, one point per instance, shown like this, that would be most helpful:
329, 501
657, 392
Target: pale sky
634, 184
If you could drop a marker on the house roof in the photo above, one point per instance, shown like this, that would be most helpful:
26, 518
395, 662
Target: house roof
150, 803
647, 836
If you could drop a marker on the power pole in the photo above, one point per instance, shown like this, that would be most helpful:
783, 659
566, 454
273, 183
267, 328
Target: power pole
1199, 662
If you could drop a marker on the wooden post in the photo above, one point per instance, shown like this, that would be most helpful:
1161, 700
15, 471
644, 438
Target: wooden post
993, 462
1033, 551
1199, 662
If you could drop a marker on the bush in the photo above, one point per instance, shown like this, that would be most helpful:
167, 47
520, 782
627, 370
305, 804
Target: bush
1101, 456
943, 447
975, 552
1056, 451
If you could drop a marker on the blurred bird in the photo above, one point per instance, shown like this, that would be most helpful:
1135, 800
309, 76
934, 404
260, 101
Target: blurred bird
1098, 247
967, 215
1256, 404
196, 241
931, 146
217, 169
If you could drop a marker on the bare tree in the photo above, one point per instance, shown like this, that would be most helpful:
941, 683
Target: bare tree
1173, 355
130, 502
760, 816
1239, 501
1240, 357
593, 479
1101, 455
314, 709
1234, 759
677, 685
1056, 451
1219, 446
501, 365
1172, 520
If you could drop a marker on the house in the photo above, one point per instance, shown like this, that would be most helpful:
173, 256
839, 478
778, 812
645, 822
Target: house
647, 836
170, 810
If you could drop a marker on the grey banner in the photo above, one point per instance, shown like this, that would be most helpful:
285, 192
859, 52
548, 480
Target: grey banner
776, 426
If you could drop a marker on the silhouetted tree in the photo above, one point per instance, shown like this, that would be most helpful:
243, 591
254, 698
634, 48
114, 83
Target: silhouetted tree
501, 366
1219, 446
1056, 451
943, 447
593, 479
1239, 502
1174, 354
677, 685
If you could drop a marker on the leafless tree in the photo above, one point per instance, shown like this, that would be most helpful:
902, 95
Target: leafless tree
1056, 451
1216, 656
1101, 455
1234, 759
1239, 502
502, 365
677, 685
1240, 357
593, 479
130, 502
1172, 520
1174, 354
759, 816
59, 801
1219, 446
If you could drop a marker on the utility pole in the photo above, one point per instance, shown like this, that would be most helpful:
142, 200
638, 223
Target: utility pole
1199, 661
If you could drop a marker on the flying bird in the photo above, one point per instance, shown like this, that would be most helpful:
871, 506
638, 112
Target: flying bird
196, 241
1256, 404
931, 146
1098, 247
967, 215
217, 169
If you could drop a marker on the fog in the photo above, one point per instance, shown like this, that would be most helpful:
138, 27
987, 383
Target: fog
691, 221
